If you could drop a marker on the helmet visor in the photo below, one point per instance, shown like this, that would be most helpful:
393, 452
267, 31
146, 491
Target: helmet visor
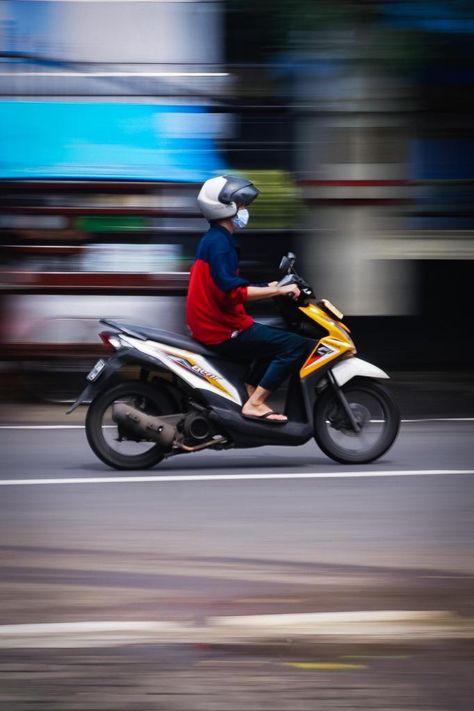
238, 190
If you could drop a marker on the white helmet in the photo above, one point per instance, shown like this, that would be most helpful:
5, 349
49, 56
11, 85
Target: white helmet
220, 197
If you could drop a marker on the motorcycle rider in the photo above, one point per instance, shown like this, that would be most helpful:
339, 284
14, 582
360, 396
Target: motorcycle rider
217, 295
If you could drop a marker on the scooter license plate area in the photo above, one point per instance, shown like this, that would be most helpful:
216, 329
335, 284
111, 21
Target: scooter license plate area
96, 370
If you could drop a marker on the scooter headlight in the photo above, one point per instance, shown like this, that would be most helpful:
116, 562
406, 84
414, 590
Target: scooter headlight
332, 310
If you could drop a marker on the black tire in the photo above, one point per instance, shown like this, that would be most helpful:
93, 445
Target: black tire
380, 419
147, 397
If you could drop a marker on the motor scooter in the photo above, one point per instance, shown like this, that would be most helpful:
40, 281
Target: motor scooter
161, 393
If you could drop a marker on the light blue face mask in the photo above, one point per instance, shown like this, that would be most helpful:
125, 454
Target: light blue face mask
240, 220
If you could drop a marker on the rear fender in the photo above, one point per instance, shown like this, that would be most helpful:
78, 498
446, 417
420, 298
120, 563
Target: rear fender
349, 368
90, 391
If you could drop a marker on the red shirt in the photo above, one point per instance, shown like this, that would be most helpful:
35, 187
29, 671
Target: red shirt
216, 295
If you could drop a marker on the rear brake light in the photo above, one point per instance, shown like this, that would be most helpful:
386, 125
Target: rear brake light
110, 340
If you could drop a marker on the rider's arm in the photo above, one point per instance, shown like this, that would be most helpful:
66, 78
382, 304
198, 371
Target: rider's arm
255, 293
223, 267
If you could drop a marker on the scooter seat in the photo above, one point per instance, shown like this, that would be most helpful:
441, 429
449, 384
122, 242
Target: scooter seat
157, 334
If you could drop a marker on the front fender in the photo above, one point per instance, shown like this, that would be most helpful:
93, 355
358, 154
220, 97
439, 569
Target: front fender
349, 368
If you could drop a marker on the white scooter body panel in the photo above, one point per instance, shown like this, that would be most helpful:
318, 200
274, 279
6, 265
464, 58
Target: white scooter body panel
345, 370
191, 367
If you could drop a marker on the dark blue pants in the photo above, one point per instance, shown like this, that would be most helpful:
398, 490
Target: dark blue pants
271, 352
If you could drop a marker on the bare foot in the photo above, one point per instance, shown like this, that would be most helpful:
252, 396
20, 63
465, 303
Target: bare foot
250, 389
262, 409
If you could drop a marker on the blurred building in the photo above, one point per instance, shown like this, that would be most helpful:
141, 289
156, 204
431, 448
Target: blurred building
378, 101
354, 118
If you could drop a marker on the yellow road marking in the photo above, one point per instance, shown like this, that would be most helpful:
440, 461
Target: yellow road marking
328, 666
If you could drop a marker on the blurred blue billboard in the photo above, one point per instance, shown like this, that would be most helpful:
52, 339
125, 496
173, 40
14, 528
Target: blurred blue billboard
106, 140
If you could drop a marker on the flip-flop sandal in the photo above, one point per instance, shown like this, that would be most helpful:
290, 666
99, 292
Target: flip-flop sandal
266, 417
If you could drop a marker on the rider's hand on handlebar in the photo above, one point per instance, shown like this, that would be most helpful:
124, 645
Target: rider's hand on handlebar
290, 290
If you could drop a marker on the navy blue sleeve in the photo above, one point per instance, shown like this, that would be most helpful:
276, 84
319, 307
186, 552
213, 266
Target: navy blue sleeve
223, 266
223, 262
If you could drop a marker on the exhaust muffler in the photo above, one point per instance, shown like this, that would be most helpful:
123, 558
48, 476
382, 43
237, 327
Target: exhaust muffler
138, 424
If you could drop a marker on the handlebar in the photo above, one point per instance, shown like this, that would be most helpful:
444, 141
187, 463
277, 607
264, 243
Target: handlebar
288, 279
303, 286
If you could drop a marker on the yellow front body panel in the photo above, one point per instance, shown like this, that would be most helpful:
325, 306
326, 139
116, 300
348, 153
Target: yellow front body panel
336, 343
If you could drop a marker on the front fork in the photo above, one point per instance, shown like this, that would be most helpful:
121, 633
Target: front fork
342, 400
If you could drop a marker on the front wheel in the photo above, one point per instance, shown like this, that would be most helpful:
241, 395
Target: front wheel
104, 436
375, 412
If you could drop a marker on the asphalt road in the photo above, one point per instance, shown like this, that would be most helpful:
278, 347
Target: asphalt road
309, 536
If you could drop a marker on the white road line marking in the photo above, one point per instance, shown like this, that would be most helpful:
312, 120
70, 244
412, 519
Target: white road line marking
268, 619
42, 628
440, 419
304, 618
80, 427
379, 624
232, 477
41, 427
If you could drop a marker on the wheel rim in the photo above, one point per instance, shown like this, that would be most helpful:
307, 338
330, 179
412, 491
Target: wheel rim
370, 413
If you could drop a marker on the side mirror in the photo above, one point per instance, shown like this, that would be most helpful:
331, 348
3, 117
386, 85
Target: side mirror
287, 262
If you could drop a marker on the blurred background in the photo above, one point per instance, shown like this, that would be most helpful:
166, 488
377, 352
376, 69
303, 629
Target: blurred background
355, 119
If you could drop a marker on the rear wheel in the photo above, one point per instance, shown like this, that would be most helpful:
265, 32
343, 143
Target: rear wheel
375, 412
106, 439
